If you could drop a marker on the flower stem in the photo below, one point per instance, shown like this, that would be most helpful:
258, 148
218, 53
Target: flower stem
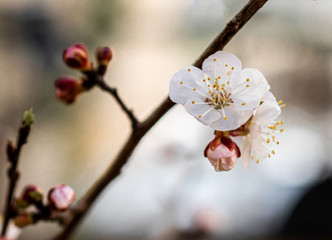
113, 91
140, 129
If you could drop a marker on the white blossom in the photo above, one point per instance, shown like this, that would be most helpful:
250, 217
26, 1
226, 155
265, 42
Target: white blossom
263, 129
222, 94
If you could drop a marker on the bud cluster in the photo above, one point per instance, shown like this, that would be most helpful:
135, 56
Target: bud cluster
28, 208
76, 57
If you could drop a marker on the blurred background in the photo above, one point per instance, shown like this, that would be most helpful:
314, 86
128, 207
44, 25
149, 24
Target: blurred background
168, 190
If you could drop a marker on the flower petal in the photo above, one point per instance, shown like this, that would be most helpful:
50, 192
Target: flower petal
202, 111
221, 64
234, 119
188, 83
268, 111
246, 151
252, 87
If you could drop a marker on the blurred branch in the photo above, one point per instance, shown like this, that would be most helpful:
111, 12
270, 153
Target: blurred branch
13, 154
85, 203
113, 91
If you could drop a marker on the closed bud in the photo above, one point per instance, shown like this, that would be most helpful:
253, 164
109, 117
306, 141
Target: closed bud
67, 89
32, 194
23, 219
60, 197
77, 57
104, 55
222, 153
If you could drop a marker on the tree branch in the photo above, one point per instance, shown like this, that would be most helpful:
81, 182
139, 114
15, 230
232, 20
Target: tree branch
13, 154
102, 85
85, 203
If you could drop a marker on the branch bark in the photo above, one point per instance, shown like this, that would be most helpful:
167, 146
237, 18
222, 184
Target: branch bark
86, 202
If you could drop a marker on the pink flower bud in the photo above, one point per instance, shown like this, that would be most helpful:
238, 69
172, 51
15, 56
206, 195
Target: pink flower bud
60, 197
23, 219
104, 55
32, 194
67, 89
222, 153
77, 57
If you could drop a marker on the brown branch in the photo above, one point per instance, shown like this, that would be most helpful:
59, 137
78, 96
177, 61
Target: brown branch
113, 91
13, 154
85, 203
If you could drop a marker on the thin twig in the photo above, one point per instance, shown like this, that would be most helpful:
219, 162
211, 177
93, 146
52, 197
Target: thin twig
13, 174
85, 203
113, 91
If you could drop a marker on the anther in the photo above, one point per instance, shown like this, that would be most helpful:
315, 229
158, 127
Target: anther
281, 130
247, 85
268, 140
193, 102
243, 104
280, 102
199, 116
248, 80
225, 118
232, 68
189, 70
283, 105
214, 59
181, 82
273, 152
226, 65
194, 89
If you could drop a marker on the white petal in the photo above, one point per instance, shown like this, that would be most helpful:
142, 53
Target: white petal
186, 84
234, 119
246, 151
268, 111
258, 148
220, 63
202, 111
252, 87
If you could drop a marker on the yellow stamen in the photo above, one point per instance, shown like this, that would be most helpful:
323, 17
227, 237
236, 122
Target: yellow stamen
214, 59
243, 104
283, 105
225, 118
248, 80
232, 68
247, 85
281, 130
189, 70
199, 116
277, 142
226, 65
193, 102
268, 140
280, 102
273, 152
194, 89
181, 82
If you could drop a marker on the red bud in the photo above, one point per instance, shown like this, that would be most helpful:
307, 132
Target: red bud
77, 57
